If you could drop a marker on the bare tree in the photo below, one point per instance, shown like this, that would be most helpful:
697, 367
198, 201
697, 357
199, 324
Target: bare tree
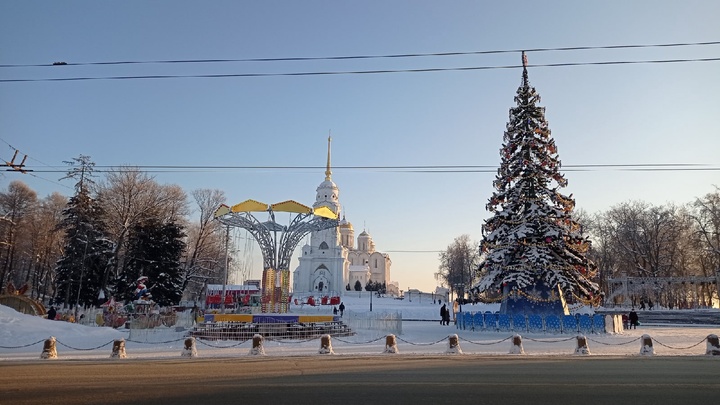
705, 216
130, 197
46, 244
16, 207
458, 263
205, 246
641, 240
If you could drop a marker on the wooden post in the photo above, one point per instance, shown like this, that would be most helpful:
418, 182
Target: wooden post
49, 349
517, 347
453, 345
713, 345
325, 345
582, 346
390, 344
190, 349
646, 346
118, 349
257, 346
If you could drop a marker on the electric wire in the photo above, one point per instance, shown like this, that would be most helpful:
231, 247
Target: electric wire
352, 72
400, 168
357, 57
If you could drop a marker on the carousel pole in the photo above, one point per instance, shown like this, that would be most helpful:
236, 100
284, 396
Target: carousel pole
225, 270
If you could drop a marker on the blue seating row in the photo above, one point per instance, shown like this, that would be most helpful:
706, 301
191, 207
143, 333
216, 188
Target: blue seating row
494, 321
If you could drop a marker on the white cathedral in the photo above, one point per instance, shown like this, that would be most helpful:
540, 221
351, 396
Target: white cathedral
331, 263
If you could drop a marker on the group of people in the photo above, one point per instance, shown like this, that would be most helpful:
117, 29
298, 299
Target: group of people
631, 321
53, 315
342, 309
649, 304
444, 315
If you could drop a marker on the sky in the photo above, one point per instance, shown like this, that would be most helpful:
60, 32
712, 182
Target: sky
380, 123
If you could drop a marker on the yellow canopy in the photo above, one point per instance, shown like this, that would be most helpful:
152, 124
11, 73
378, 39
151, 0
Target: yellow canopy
285, 206
291, 206
250, 206
222, 210
325, 212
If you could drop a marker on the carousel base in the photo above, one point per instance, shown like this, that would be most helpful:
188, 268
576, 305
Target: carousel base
270, 326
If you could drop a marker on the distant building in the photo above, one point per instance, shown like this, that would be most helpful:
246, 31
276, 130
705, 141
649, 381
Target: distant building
331, 263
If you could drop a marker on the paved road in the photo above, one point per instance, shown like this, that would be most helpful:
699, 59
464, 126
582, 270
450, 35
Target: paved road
382, 379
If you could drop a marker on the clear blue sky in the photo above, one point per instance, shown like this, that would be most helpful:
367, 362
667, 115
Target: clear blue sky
615, 114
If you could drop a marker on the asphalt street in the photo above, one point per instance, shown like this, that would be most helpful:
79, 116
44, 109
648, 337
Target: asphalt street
381, 379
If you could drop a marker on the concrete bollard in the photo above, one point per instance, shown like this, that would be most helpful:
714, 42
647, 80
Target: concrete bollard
390, 344
713, 345
325, 345
646, 346
582, 345
49, 349
454, 345
517, 347
257, 346
190, 349
118, 349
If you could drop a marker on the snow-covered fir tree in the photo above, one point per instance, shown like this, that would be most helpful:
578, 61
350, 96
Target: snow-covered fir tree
86, 252
534, 252
154, 251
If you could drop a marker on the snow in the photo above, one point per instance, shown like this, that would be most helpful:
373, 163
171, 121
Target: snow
22, 337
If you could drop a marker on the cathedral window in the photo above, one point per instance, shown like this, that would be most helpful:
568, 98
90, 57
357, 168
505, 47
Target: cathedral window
324, 246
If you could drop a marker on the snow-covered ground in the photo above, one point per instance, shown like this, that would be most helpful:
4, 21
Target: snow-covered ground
22, 336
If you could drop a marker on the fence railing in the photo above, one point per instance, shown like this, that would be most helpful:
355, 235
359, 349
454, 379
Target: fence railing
388, 322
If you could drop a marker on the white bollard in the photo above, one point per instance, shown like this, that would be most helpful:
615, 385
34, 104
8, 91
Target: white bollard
517, 347
646, 346
391, 344
190, 349
713, 345
453, 345
582, 346
257, 346
325, 345
118, 349
49, 349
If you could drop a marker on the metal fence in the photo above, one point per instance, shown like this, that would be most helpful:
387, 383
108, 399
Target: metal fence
387, 321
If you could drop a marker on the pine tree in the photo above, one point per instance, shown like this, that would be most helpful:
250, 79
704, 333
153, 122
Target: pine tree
154, 251
87, 252
533, 250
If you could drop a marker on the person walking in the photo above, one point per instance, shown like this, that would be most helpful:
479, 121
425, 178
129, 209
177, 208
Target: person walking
443, 314
342, 309
51, 314
633, 317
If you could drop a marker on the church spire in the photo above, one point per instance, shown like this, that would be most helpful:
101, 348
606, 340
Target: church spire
328, 172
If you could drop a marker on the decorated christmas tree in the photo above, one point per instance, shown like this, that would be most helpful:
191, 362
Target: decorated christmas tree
533, 251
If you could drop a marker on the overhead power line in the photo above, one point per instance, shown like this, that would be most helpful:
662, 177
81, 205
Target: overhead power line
355, 57
22, 167
356, 72
404, 169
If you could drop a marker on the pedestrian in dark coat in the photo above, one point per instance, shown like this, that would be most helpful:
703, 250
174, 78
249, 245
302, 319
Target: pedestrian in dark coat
633, 317
51, 314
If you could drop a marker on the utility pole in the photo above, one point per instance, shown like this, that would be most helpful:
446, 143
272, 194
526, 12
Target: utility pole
225, 271
15, 166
